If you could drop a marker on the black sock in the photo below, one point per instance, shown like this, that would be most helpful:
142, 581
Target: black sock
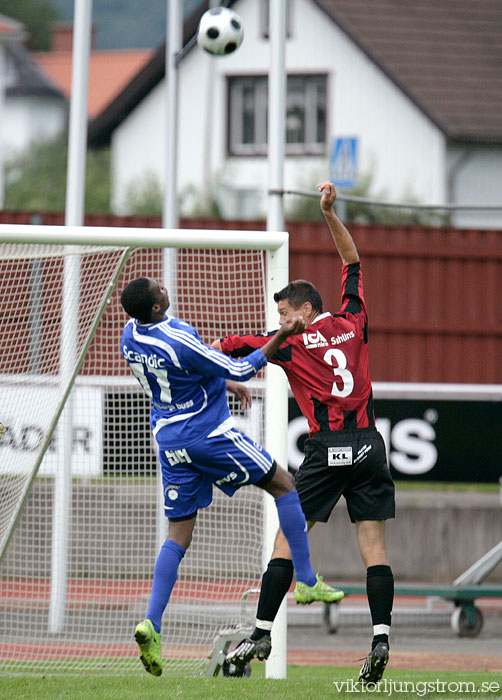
275, 584
380, 591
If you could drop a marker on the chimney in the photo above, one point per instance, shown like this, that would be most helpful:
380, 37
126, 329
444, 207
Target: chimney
62, 37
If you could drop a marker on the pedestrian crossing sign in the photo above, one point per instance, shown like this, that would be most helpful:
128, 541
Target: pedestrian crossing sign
343, 165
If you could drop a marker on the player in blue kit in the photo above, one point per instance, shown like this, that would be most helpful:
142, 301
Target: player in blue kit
186, 381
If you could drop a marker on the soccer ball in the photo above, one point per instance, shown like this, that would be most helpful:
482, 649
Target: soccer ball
220, 31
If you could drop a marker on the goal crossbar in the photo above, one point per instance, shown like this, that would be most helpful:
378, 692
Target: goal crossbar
143, 237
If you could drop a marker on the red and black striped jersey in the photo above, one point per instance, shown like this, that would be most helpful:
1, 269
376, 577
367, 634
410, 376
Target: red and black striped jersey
327, 365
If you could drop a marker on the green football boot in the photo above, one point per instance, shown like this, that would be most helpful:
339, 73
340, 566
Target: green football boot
319, 591
150, 652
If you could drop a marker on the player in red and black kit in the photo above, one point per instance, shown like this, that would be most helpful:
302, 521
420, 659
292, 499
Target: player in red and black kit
328, 371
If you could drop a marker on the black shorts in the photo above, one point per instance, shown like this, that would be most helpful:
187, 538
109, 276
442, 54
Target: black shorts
349, 463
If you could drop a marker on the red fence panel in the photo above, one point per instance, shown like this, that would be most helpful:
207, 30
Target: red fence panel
433, 294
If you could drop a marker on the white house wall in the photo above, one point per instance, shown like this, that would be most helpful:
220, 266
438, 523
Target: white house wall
400, 148
137, 148
475, 175
2, 118
30, 119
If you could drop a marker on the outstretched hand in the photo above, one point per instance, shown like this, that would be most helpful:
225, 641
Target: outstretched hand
292, 326
328, 195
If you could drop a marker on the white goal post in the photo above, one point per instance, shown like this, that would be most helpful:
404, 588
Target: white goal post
79, 510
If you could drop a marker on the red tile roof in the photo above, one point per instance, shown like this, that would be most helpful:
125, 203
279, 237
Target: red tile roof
109, 73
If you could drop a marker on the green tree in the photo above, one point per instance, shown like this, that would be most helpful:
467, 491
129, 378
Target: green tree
361, 212
144, 196
307, 208
37, 15
36, 179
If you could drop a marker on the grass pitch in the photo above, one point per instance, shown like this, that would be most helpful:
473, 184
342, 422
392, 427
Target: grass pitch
303, 682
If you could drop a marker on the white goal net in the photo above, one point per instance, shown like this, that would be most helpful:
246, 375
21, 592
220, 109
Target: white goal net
79, 490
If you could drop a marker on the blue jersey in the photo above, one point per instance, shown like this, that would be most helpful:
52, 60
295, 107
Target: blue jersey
184, 378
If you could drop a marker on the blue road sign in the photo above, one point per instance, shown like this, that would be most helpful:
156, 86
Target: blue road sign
343, 164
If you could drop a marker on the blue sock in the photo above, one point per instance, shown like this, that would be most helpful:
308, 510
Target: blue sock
294, 527
165, 574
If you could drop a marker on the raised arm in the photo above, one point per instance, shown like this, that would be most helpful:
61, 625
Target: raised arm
342, 238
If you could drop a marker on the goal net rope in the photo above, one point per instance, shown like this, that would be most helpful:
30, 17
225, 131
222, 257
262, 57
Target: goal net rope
79, 505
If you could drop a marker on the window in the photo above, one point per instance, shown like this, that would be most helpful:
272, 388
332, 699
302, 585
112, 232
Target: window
305, 115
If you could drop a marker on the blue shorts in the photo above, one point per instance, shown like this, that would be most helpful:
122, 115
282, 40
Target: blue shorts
229, 461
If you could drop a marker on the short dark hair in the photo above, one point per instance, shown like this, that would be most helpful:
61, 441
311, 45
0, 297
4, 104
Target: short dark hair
137, 299
298, 292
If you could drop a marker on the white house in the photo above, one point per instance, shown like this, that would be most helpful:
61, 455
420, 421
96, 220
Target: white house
30, 106
35, 107
35, 88
417, 85
10, 31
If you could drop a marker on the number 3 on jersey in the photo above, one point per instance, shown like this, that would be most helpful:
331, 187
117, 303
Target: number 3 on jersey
336, 359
